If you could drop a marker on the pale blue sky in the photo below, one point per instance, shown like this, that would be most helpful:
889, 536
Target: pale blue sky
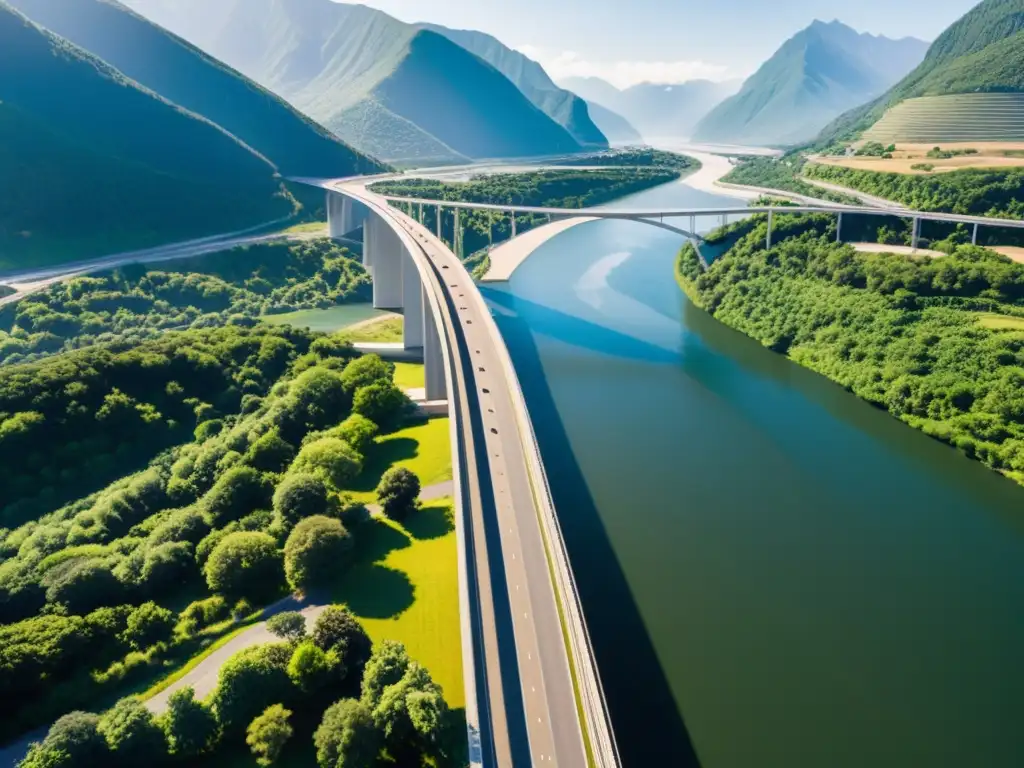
633, 40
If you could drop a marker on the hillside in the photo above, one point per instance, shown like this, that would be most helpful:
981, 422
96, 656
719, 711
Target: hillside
983, 51
656, 110
816, 75
91, 163
565, 108
183, 74
614, 126
371, 79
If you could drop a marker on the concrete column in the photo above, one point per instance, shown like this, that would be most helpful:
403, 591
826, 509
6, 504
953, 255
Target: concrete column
693, 225
456, 236
839, 227
513, 223
768, 240
371, 228
439, 224
916, 232
974, 234
412, 303
433, 360
344, 215
421, 214
385, 254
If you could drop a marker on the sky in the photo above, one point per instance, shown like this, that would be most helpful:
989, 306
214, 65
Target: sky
630, 41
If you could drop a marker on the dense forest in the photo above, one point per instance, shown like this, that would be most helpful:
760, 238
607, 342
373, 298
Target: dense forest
982, 192
548, 188
913, 335
138, 302
782, 173
247, 433
637, 157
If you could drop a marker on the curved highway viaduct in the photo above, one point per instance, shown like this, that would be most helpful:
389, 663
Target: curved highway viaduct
533, 696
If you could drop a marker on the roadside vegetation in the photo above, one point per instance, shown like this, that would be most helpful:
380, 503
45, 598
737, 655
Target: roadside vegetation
914, 335
138, 302
781, 173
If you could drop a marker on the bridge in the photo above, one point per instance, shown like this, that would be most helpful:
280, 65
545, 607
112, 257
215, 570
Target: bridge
533, 690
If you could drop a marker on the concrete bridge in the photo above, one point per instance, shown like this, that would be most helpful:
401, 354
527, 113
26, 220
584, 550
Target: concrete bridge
533, 694
533, 690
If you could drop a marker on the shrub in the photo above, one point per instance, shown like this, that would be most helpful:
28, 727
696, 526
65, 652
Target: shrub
318, 548
331, 459
249, 682
190, 725
242, 610
181, 525
132, 734
381, 402
203, 613
244, 564
236, 493
358, 431
73, 741
84, 586
311, 668
268, 733
337, 629
364, 371
148, 624
166, 566
317, 398
397, 492
347, 736
270, 452
298, 496
287, 625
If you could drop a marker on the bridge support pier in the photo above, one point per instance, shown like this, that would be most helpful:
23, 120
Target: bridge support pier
768, 240
974, 234
344, 215
916, 234
412, 304
433, 359
839, 227
439, 224
382, 254
513, 223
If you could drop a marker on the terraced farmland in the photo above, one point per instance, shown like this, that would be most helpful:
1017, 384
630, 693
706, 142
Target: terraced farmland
958, 117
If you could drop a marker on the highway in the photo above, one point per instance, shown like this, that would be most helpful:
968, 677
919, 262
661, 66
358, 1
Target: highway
525, 696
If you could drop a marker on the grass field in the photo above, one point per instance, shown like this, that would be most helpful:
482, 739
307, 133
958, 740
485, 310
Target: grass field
326, 320
386, 329
423, 448
990, 154
308, 228
410, 376
404, 586
999, 322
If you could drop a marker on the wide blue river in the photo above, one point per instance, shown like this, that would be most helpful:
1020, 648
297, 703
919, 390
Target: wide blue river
774, 573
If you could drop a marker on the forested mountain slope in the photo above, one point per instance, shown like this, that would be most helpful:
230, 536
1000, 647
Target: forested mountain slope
374, 81
183, 74
816, 75
983, 51
92, 163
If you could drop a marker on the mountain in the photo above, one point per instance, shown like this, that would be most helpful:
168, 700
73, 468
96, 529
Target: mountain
394, 90
565, 108
816, 75
91, 162
613, 125
982, 52
656, 110
183, 74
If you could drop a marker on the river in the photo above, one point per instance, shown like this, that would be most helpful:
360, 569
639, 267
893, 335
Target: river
774, 572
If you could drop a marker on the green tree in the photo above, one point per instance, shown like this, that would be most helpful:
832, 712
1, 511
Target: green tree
73, 741
386, 667
270, 452
338, 630
397, 492
347, 736
244, 564
249, 682
317, 549
268, 733
317, 398
298, 496
366, 370
358, 431
83, 586
189, 725
236, 493
411, 710
287, 625
381, 402
311, 668
133, 736
331, 459
148, 624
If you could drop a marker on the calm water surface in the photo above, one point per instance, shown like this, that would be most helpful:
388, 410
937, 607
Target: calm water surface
775, 573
